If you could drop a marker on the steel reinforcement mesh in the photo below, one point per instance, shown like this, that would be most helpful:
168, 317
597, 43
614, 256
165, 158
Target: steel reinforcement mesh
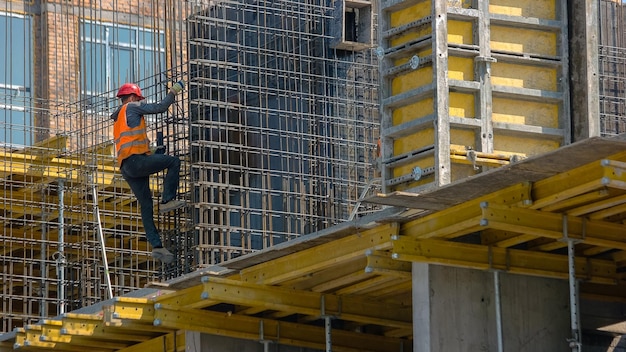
283, 127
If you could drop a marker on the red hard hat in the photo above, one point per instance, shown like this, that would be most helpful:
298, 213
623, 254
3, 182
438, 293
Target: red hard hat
130, 88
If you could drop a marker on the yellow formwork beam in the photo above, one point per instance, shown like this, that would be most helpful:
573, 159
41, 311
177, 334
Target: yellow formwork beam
125, 308
28, 338
94, 326
463, 218
595, 198
357, 309
331, 278
553, 226
190, 297
493, 258
320, 257
381, 263
343, 280
286, 333
590, 177
370, 285
172, 342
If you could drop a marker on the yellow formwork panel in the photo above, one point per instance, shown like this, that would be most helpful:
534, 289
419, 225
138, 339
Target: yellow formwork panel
461, 171
524, 76
411, 80
462, 105
461, 68
523, 40
525, 112
423, 163
460, 32
544, 9
466, 4
523, 145
413, 111
414, 141
408, 15
410, 143
410, 36
465, 137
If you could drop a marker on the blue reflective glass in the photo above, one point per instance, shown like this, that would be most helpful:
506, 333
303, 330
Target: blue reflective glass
123, 35
132, 57
122, 66
94, 66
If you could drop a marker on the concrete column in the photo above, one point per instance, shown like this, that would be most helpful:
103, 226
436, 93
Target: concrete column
454, 310
584, 79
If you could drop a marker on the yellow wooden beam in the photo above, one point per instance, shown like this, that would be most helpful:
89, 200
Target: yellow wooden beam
607, 212
320, 257
190, 297
381, 263
598, 206
594, 197
94, 326
390, 292
551, 225
370, 285
591, 177
463, 218
607, 293
137, 309
328, 279
286, 333
344, 280
172, 342
31, 338
493, 258
316, 304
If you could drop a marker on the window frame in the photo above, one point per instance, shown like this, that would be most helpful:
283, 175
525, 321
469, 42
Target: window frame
108, 35
9, 105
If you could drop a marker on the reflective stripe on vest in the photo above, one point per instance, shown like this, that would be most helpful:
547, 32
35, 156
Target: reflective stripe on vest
129, 140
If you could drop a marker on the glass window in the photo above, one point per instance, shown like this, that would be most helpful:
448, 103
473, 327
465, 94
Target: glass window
16, 75
112, 55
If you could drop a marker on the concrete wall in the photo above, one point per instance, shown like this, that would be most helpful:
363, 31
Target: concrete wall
197, 342
455, 310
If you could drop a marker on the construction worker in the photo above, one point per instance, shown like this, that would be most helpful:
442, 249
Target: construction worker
137, 162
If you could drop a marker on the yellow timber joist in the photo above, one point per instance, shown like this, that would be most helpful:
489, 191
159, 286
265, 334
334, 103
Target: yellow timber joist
517, 219
25, 174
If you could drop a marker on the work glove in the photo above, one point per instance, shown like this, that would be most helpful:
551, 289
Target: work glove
178, 87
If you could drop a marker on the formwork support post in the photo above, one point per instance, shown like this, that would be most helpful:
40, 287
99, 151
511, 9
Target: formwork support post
327, 325
575, 341
496, 284
265, 342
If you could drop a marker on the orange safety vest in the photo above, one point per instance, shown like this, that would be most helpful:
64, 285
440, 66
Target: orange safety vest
129, 141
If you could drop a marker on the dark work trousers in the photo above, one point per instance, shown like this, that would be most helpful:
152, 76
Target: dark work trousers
136, 170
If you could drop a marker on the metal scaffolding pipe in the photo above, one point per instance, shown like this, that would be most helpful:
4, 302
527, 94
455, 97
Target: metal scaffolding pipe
496, 284
262, 340
574, 342
327, 325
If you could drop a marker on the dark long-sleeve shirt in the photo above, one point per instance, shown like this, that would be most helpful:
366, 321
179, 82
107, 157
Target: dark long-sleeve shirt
137, 109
